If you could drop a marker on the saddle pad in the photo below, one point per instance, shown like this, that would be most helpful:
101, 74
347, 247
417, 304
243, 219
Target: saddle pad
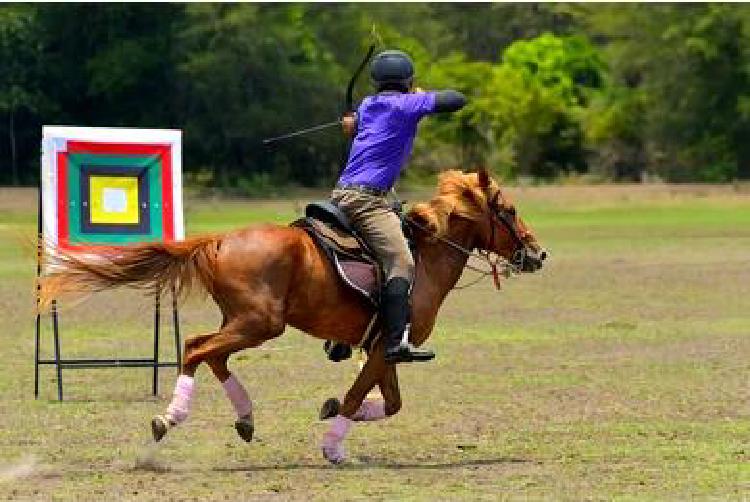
358, 275
342, 239
349, 258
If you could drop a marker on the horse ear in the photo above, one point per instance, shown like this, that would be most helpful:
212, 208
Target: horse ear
484, 177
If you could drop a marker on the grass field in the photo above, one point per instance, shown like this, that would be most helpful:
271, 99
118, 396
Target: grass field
621, 371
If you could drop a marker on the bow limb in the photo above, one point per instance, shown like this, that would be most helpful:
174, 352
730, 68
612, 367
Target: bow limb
350, 99
355, 76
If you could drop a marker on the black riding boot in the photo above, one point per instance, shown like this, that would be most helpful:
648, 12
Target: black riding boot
395, 314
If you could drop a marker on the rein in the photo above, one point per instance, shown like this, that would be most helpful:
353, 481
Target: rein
506, 267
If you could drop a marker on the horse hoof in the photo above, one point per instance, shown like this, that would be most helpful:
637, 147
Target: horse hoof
245, 428
159, 427
330, 408
333, 449
333, 457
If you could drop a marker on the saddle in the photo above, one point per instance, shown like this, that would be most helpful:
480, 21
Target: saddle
350, 256
354, 262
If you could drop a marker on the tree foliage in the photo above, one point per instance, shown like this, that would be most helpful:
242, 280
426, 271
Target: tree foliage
614, 90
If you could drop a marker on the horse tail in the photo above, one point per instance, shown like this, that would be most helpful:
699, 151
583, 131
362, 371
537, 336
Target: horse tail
154, 267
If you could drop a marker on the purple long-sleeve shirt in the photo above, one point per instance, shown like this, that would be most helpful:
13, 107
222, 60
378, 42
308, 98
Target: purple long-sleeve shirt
386, 126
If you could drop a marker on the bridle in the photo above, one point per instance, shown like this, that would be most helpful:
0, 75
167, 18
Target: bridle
498, 265
506, 218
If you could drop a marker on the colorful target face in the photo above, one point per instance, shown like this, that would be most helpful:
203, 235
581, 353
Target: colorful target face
110, 187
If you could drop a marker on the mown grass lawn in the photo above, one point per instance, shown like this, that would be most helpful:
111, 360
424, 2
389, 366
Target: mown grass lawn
621, 371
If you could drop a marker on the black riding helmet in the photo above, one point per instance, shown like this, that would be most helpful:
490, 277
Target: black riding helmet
392, 70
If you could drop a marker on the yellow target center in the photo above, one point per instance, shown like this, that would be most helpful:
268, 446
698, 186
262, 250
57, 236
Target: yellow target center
114, 200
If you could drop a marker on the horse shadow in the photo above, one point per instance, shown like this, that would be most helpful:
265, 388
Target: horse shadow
366, 463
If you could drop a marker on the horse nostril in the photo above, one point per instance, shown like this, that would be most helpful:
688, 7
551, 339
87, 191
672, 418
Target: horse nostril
543, 255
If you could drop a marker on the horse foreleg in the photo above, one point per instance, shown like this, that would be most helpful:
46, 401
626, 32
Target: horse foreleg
236, 394
333, 439
391, 393
376, 407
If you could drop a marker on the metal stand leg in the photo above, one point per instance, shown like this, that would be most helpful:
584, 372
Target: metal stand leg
56, 334
176, 325
157, 320
38, 324
36, 356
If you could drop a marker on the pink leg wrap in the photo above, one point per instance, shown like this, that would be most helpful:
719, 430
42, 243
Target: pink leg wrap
178, 409
370, 410
332, 446
238, 395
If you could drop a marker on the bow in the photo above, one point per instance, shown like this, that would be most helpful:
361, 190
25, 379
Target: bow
355, 76
350, 101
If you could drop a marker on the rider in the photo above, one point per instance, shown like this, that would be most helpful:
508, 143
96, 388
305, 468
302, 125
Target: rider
384, 127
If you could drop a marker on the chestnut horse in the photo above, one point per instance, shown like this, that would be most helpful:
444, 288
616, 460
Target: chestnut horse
264, 278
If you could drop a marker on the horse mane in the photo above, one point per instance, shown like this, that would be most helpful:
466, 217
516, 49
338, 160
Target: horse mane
457, 193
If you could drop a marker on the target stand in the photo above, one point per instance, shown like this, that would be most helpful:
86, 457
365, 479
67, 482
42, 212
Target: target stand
103, 188
144, 362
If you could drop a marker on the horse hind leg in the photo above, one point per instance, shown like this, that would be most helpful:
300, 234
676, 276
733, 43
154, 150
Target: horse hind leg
232, 337
179, 408
237, 395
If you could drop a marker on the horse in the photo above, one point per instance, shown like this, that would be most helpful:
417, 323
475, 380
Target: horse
267, 277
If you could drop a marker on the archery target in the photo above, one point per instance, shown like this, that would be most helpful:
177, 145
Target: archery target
111, 186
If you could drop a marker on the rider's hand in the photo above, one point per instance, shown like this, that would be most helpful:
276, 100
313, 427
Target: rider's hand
417, 89
349, 123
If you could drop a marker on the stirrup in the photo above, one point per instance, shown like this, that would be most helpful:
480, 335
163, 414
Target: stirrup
407, 353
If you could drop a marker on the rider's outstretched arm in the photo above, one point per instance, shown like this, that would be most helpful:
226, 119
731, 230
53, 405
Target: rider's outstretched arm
449, 101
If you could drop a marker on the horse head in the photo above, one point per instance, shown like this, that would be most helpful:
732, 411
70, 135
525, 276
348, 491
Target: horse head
503, 231
495, 224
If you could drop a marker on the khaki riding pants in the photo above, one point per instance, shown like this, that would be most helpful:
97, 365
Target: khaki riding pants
380, 227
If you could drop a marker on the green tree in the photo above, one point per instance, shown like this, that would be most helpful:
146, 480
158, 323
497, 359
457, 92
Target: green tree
661, 88
253, 71
20, 92
483, 30
689, 64
110, 64
613, 133
465, 138
524, 114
